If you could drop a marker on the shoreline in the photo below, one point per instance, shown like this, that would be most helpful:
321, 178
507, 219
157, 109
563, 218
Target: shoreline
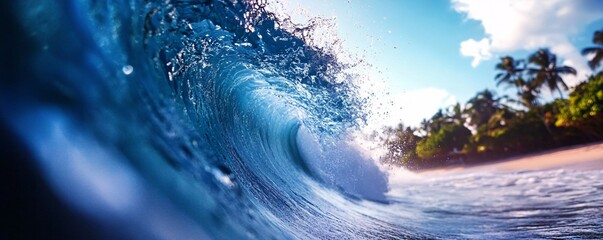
580, 157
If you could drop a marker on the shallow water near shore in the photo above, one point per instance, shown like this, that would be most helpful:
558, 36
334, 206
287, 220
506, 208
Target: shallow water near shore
494, 204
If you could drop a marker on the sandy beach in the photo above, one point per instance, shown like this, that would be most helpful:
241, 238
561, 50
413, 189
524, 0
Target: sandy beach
584, 157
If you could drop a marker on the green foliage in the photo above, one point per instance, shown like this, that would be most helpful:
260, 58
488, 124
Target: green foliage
524, 133
448, 138
584, 109
509, 132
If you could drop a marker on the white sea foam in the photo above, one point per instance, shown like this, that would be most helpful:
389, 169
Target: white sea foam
343, 165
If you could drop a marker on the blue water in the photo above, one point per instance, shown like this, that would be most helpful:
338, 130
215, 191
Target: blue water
218, 120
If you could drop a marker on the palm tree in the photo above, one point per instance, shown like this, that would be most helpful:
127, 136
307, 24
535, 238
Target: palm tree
529, 94
510, 73
480, 108
500, 118
437, 121
425, 127
455, 115
597, 52
547, 72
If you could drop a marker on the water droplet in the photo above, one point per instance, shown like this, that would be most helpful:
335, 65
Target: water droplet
224, 175
127, 69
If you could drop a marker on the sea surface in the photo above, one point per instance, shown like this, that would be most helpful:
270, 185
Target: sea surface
201, 119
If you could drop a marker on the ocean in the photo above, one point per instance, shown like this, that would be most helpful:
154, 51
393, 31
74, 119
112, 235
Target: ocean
217, 119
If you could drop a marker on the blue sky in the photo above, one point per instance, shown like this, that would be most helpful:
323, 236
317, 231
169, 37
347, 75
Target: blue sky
433, 53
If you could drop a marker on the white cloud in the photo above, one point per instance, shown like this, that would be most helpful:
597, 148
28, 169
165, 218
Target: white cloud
512, 25
413, 106
478, 50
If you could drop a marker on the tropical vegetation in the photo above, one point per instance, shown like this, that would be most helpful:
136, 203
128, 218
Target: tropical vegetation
490, 127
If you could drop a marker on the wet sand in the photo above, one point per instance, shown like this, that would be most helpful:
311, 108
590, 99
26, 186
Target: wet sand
585, 157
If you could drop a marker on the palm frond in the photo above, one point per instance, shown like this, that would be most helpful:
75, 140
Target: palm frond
598, 37
566, 70
590, 50
596, 61
560, 80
